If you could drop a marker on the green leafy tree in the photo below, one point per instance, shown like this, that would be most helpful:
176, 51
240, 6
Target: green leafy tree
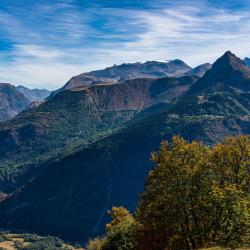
230, 191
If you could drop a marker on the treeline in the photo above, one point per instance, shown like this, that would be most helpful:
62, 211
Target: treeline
195, 196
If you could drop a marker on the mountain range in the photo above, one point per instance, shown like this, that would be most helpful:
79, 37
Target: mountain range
94, 109
13, 103
87, 147
129, 71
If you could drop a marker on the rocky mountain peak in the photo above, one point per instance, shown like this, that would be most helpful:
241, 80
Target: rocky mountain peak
230, 63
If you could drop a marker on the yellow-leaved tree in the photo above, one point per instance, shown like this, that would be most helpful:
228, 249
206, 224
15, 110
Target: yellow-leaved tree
196, 195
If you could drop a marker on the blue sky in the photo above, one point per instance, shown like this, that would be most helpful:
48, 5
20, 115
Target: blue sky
45, 42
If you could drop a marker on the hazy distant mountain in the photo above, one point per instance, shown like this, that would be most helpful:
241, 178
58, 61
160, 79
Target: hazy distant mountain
111, 172
199, 70
12, 101
34, 94
247, 61
128, 71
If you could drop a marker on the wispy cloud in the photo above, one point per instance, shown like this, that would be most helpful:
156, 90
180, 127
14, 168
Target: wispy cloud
59, 39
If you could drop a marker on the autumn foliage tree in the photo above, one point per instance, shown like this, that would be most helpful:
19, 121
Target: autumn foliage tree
196, 195
120, 232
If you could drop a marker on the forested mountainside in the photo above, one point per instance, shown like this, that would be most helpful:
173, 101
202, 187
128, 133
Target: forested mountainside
110, 172
76, 117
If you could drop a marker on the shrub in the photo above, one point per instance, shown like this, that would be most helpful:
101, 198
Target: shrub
120, 232
95, 244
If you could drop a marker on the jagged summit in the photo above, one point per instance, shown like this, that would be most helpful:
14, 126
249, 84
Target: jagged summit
230, 63
228, 58
227, 71
224, 89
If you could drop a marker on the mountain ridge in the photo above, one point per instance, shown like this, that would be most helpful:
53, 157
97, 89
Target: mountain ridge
129, 71
199, 70
34, 94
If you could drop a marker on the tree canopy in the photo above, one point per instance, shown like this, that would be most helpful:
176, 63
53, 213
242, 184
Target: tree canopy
196, 195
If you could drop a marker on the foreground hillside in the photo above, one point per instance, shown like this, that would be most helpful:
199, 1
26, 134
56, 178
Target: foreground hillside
17, 241
111, 172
